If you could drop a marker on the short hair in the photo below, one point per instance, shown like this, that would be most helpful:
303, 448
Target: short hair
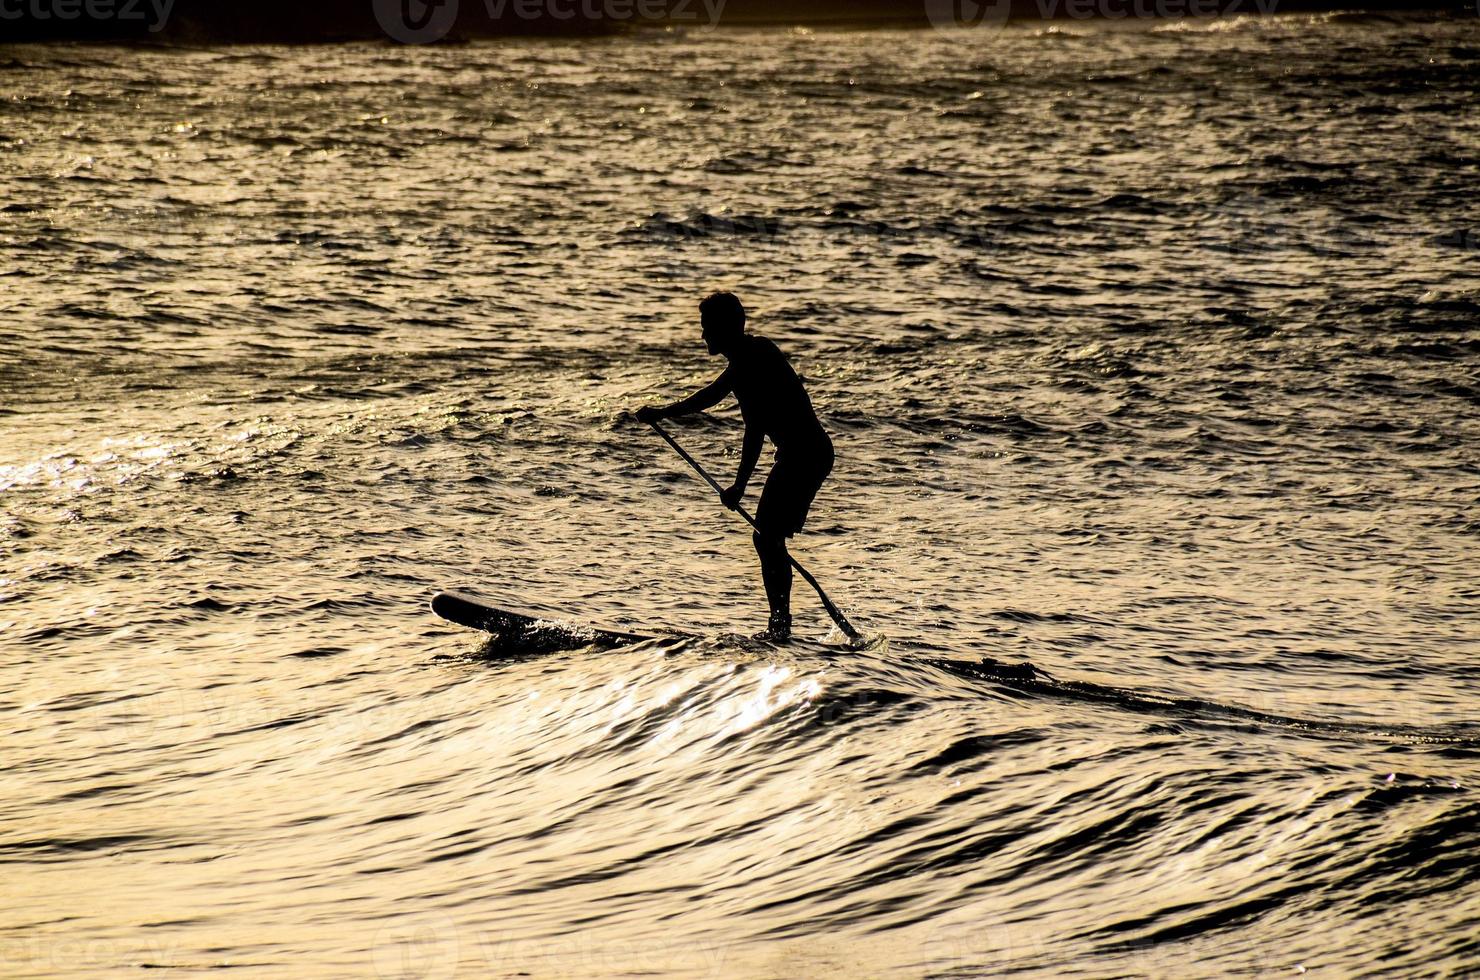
724, 310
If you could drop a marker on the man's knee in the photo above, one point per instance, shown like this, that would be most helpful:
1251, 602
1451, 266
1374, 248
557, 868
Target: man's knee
768, 544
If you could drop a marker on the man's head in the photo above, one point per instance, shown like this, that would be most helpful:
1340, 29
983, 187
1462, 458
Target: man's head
722, 319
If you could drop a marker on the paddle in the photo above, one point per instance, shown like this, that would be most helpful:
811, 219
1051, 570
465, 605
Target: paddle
832, 610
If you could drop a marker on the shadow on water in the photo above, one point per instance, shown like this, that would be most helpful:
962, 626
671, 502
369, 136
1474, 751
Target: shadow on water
1025, 679
516, 636
554, 637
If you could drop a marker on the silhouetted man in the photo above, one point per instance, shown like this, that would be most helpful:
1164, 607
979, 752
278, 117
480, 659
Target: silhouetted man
773, 403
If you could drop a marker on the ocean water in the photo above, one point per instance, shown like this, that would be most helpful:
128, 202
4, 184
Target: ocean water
1152, 362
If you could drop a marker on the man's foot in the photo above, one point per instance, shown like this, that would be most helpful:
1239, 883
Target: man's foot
779, 631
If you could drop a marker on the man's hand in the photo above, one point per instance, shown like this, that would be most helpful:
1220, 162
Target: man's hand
649, 414
731, 497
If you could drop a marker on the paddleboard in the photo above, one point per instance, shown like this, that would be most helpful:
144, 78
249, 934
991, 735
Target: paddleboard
523, 632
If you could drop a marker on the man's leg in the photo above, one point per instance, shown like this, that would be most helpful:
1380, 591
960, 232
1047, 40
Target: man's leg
780, 513
776, 574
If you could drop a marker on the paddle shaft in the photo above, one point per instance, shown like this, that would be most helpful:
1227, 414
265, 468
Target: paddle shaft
832, 610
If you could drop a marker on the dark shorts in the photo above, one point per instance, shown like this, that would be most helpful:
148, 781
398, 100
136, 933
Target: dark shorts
795, 479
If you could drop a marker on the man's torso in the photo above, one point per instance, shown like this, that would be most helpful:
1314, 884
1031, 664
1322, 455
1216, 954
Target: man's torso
772, 397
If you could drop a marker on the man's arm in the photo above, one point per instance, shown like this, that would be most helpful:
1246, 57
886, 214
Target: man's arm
750, 451
707, 397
